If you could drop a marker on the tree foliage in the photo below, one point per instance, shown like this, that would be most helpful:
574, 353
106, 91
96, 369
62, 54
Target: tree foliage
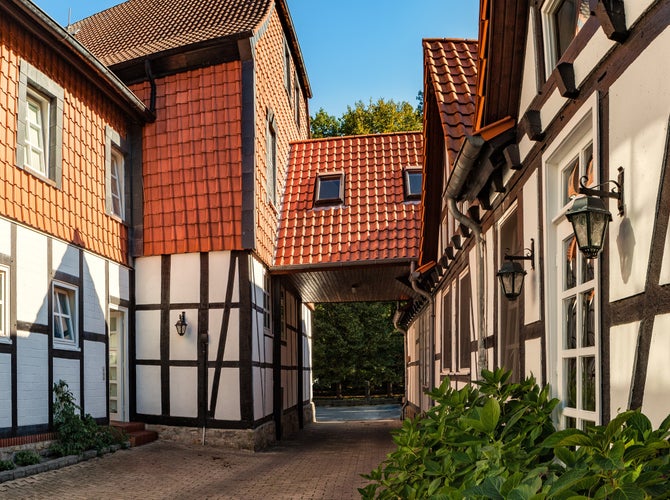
355, 343
374, 118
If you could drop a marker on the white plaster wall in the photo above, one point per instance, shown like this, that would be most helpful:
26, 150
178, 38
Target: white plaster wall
664, 278
183, 391
263, 404
5, 390
32, 378
219, 265
148, 387
525, 146
228, 399
633, 9
231, 350
68, 371
5, 237
186, 347
119, 281
148, 280
533, 359
551, 108
65, 258
623, 339
185, 278
147, 334
529, 82
94, 293
257, 335
637, 142
491, 281
531, 229
31, 274
95, 379
656, 404
590, 57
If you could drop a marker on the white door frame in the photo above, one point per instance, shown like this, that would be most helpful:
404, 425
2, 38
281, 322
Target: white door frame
123, 394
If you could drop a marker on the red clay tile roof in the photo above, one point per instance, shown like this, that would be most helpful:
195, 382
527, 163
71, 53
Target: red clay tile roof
374, 223
451, 70
137, 28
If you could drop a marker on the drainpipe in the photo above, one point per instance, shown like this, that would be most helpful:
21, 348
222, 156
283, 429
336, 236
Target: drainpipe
464, 164
396, 324
152, 83
413, 278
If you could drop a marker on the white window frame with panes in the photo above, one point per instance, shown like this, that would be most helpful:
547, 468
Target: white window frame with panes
61, 314
572, 282
549, 12
4, 304
115, 173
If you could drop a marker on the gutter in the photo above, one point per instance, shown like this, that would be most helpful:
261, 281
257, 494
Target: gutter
463, 166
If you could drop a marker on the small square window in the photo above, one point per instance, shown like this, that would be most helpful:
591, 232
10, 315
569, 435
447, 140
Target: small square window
413, 183
65, 315
329, 189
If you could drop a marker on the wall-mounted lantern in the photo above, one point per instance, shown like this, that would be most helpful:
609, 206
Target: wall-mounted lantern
589, 215
181, 324
511, 274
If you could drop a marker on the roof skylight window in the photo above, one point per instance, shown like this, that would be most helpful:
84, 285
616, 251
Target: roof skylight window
329, 189
413, 183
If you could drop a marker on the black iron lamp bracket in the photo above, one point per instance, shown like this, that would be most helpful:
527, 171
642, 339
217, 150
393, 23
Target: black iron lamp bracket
529, 254
615, 192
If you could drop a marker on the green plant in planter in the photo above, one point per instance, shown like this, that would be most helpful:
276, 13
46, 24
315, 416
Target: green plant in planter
477, 442
26, 457
76, 433
7, 465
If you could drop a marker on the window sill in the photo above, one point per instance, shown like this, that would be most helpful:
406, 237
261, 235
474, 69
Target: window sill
5, 339
39, 175
65, 346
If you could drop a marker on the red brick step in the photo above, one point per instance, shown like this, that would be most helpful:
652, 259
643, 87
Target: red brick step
136, 432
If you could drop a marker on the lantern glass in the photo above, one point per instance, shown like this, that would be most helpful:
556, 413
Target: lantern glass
511, 277
589, 218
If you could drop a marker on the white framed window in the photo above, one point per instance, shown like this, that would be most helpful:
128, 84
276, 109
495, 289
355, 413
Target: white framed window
65, 310
4, 303
272, 160
413, 179
296, 99
447, 330
39, 134
572, 284
267, 304
287, 70
465, 322
562, 20
115, 173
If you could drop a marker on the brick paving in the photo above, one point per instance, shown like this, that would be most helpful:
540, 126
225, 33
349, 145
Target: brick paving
324, 461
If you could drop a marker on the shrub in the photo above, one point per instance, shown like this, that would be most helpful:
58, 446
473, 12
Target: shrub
75, 433
26, 457
497, 441
6, 465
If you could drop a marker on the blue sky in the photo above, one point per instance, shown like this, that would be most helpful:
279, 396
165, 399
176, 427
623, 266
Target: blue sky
354, 50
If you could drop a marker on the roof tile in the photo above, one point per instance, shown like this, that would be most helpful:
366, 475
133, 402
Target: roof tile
374, 214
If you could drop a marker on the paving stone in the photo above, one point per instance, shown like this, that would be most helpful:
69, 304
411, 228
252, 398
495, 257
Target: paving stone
324, 461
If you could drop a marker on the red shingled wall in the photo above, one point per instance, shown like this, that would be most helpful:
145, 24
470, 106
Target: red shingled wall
272, 95
192, 163
75, 213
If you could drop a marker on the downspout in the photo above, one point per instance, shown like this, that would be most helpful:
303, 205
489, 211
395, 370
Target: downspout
396, 324
465, 162
152, 83
413, 278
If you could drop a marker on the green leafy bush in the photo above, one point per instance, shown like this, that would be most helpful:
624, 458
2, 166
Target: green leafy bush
75, 433
6, 465
497, 441
26, 457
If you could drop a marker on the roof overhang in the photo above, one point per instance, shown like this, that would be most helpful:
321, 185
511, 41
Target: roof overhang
372, 281
44, 29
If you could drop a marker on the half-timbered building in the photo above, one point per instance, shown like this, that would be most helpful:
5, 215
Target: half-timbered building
569, 96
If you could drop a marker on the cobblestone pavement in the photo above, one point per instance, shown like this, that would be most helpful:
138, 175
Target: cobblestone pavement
324, 461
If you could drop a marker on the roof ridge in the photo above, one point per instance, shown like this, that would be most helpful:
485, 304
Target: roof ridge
360, 136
